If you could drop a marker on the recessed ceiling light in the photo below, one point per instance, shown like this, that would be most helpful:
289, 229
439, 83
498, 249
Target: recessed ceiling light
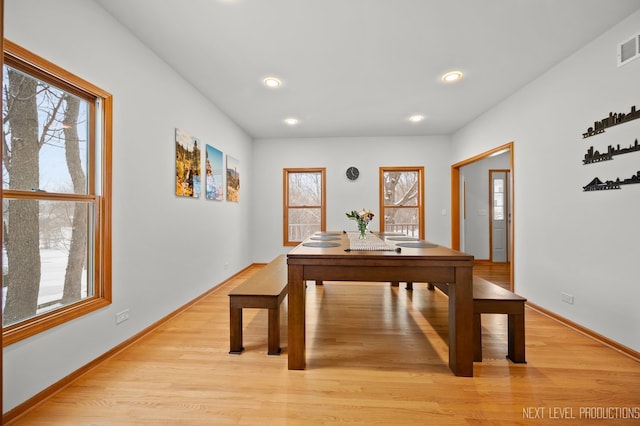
452, 76
291, 121
272, 82
416, 118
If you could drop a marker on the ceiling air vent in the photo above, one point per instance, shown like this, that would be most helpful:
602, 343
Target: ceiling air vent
629, 50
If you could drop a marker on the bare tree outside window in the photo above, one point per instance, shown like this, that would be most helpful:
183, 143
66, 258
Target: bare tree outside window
41, 135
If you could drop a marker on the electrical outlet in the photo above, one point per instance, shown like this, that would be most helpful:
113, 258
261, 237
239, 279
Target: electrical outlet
122, 316
567, 298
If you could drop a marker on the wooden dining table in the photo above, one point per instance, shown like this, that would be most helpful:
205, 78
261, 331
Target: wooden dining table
384, 258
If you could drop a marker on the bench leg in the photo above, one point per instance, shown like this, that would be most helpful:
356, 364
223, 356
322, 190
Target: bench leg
274, 332
395, 283
430, 287
235, 331
516, 338
477, 338
409, 285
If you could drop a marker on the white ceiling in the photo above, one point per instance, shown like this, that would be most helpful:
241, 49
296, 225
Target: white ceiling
361, 67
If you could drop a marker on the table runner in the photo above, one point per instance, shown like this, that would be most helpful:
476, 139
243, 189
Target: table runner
371, 243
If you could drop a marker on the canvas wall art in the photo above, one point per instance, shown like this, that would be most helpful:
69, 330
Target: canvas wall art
233, 179
214, 172
187, 165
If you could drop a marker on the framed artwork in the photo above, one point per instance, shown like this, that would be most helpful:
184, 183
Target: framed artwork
214, 170
187, 165
233, 179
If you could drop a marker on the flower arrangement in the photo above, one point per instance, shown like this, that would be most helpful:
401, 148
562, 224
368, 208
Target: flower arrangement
362, 218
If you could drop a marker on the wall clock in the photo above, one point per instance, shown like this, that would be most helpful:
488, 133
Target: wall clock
353, 173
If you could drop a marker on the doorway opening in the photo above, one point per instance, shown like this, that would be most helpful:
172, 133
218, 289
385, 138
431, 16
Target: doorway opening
458, 201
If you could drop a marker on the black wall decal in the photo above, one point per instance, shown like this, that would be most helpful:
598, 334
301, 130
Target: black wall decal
597, 185
595, 157
612, 120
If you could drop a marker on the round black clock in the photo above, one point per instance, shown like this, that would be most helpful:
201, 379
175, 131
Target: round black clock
353, 173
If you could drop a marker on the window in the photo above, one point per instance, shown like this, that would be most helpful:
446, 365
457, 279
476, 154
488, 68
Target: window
402, 200
56, 195
304, 204
498, 199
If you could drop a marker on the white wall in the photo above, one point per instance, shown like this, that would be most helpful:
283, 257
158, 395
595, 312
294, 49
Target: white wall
166, 250
337, 154
567, 240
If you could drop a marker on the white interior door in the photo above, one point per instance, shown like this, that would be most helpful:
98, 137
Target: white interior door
500, 215
463, 215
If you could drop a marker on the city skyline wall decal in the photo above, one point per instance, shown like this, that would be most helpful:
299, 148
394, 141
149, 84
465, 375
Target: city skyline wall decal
595, 157
597, 185
612, 120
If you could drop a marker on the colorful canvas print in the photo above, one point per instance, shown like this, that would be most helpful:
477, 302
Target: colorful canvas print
233, 179
214, 171
187, 165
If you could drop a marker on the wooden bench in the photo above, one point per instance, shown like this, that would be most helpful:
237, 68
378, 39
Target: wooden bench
265, 289
489, 298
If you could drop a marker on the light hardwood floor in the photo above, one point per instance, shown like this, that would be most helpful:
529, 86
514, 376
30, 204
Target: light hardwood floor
376, 354
497, 273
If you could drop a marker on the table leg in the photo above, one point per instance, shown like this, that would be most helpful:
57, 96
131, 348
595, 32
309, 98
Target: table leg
235, 331
461, 323
297, 324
